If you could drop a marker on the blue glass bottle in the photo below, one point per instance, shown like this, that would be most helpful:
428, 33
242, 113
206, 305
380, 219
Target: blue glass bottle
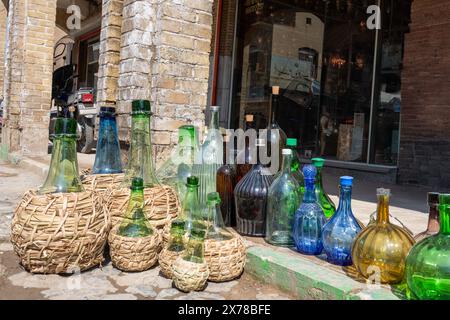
107, 157
340, 232
309, 218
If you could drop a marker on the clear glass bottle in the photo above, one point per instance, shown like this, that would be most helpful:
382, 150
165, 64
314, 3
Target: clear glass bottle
210, 158
107, 156
190, 210
216, 227
428, 263
327, 205
140, 159
309, 218
340, 232
135, 224
195, 248
433, 217
283, 201
380, 249
275, 135
63, 174
178, 167
296, 169
250, 197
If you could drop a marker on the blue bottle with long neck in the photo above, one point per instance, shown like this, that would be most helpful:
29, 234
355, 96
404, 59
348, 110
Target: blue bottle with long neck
340, 232
309, 218
107, 157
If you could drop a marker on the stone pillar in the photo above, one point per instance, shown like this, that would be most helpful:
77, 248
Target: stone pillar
165, 58
28, 80
425, 125
108, 73
3, 21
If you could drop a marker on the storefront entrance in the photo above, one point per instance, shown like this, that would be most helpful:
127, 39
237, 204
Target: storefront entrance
340, 79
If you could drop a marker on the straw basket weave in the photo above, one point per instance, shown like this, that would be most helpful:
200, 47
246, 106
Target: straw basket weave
166, 260
133, 254
61, 232
226, 259
190, 276
101, 182
161, 205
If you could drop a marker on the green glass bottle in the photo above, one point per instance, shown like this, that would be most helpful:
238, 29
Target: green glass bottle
63, 174
327, 205
140, 159
195, 248
135, 224
190, 210
291, 143
216, 226
176, 240
428, 263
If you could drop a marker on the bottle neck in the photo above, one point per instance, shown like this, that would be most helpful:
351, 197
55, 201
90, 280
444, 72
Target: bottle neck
319, 178
444, 215
287, 161
191, 198
433, 218
136, 201
383, 209
274, 109
214, 123
310, 195
345, 200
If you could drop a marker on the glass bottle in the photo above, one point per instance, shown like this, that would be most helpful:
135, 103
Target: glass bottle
250, 198
216, 227
339, 233
324, 200
140, 159
190, 210
309, 218
433, 217
428, 263
291, 143
107, 157
195, 248
210, 158
176, 239
380, 249
245, 157
135, 224
178, 167
63, 174
283, 201
226, 181
275, 135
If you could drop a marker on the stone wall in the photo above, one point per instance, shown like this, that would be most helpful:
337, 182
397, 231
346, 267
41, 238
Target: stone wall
3, 21
425, 124
28, 80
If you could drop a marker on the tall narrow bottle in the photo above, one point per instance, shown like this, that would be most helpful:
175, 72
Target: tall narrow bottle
135, 224
340, 232
210, 158
283, 201
433, 217
190, 210
63, 174
140, 159
216, 227
309, 218
428, 263
178, 167
382, 247
291, 143
246, 158
275, 135
226, 181
107, 156
323, 199
250, 197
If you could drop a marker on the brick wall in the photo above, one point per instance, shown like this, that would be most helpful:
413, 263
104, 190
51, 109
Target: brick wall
425, 118
3, 18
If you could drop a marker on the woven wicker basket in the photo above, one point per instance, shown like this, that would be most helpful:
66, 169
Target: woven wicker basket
190, 276
166, 260
133, 254
226, 259
101, 182
60, 233
161, 205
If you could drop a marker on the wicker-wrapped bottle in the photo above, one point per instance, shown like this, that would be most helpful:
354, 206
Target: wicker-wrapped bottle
174, 249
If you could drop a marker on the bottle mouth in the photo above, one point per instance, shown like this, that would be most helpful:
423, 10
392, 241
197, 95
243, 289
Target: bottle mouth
107, 112
383, 192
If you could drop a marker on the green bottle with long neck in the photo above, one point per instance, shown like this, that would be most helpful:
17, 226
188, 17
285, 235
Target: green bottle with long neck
190, 210
135, 224
63, 174
296, 170
140, 160
195, 248
176, 241
327, 205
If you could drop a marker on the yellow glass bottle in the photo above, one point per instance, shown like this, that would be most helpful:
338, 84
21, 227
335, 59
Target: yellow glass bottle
379, 251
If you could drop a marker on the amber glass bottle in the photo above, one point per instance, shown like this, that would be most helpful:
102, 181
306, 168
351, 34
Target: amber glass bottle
433, 218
